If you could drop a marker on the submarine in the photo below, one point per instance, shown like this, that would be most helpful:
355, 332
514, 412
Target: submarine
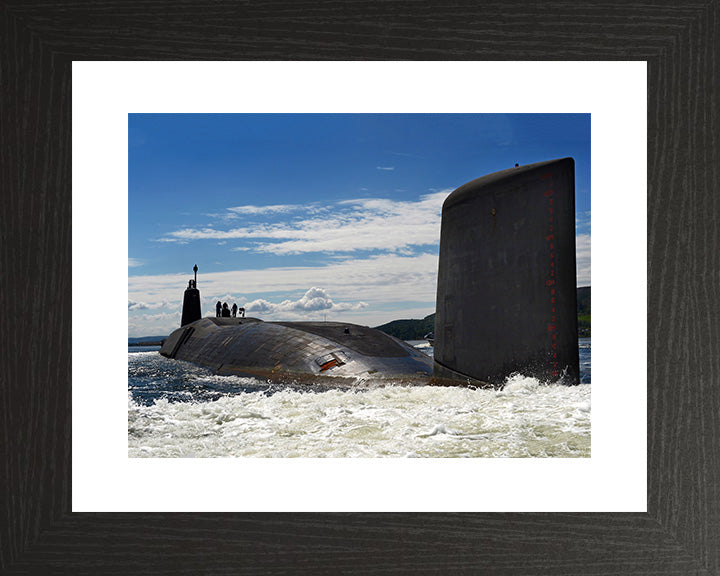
505, 302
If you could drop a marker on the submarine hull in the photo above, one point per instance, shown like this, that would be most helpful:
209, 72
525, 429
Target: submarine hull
300, 350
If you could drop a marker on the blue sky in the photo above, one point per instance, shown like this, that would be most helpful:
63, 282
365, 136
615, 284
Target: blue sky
316, 216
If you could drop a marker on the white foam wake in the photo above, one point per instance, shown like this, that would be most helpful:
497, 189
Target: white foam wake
524, 419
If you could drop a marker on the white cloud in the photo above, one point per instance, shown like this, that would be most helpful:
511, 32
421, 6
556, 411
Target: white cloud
314, 301
237, 212
582, 252
132, 305
166, 239
259, 306
388, 168
133, 262
153, 324
348, 226
272, 209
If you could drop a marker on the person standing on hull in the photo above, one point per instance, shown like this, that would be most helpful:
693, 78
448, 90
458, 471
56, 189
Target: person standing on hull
234, 310
225, 310
218, 309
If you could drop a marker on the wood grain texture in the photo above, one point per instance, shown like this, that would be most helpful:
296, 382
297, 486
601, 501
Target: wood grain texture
680, 534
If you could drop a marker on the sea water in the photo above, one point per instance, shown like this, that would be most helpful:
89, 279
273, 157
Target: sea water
177, 409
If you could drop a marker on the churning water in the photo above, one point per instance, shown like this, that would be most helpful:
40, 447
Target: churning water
176, 409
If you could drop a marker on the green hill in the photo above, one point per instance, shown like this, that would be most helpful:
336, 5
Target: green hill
583, 305
409, 329
145, 341
416, 329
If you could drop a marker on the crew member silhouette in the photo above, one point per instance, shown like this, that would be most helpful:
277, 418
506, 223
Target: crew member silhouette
218, 307
234, 310
225, 310
242, 312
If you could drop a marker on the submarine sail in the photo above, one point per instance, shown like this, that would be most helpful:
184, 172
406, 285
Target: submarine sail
191, 302
506, 293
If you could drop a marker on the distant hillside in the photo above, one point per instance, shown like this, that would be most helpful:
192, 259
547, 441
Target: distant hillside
409, 329
583, 305
145, 341
416, 329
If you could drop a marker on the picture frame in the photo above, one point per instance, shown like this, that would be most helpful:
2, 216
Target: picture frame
680, 533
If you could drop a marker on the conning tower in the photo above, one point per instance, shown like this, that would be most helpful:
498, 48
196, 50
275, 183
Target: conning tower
191, 302
506, 295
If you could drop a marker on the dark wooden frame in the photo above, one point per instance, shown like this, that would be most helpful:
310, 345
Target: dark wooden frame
680, 533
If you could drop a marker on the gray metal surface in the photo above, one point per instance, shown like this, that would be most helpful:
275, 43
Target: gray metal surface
506, 297
191, 306
248, 346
